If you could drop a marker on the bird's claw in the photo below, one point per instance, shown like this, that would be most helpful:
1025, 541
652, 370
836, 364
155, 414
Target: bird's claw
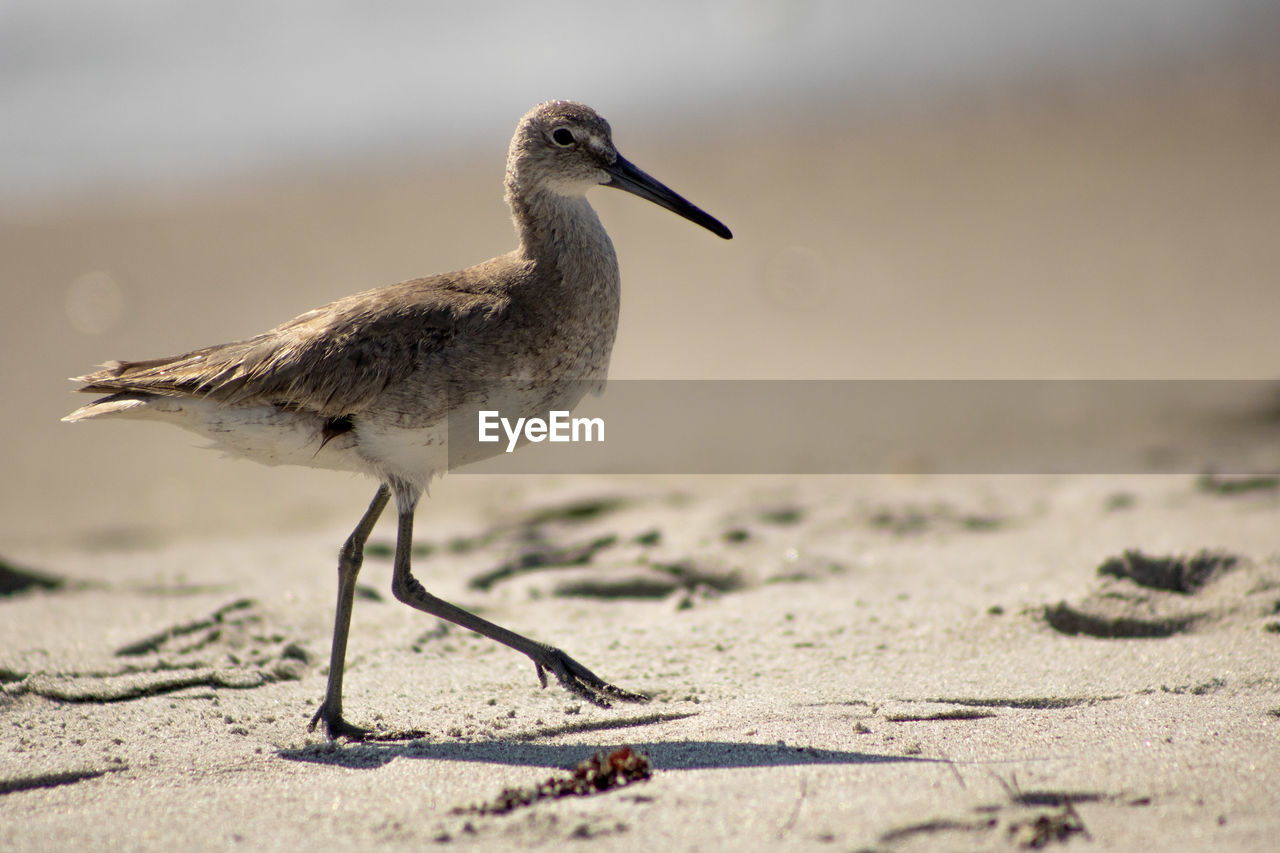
580, 681
336, 727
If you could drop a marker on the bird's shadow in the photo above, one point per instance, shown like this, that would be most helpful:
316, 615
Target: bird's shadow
664, 755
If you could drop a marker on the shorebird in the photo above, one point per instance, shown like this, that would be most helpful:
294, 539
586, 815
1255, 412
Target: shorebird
367, 383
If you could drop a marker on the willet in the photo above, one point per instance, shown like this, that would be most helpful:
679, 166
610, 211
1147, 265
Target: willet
367, 383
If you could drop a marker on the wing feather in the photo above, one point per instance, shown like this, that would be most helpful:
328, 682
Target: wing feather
332, 361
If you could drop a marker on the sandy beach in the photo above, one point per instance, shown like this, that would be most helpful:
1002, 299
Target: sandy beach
861, 663
895, 661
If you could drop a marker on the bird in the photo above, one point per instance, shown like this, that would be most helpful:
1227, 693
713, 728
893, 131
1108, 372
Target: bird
368, 383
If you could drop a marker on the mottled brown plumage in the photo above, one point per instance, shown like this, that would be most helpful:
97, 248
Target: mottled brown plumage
367, 383
336, 360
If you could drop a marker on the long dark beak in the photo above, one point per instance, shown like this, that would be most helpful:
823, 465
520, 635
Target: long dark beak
625, 176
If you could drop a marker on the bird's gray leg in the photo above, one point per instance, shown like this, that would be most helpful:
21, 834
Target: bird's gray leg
572, 675
349, 561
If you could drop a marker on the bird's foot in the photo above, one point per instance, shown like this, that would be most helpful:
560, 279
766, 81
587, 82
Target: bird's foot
579, 680
336, 727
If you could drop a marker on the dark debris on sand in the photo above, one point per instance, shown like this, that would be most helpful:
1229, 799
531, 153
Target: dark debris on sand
1219, 485
1175, 574
15, 579
597, 775
1047, 827
1147, 597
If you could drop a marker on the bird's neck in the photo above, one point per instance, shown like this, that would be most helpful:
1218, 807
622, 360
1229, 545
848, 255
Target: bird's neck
558, 230
576, 271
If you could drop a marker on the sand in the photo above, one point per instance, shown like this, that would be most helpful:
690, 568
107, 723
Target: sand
890, 661
859, 662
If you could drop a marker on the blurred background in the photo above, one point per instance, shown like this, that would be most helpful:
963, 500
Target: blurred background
918, 189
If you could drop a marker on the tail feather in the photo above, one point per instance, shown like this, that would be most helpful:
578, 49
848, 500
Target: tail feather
172, 375
125, 403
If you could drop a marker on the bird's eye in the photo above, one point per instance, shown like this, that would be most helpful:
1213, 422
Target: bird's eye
562, 136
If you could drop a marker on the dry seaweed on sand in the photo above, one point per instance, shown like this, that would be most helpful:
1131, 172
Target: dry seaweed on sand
598, 774
1048, 827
